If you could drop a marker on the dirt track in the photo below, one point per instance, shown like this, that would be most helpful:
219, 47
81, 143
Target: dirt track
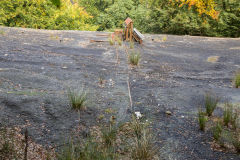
37, 67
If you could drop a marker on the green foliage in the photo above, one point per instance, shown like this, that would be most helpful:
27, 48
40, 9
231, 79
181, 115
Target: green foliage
210, 18
210, 103
202, 119
44, 14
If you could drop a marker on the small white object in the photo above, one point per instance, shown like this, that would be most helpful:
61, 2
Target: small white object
138, 115
182, 116
5, 55
42, 68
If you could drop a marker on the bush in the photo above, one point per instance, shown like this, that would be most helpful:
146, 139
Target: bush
43, 14
210, 103
202, 119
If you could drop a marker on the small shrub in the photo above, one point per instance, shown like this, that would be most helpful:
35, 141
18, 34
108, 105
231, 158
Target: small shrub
144, 148
77, 100
217, 131
202, 119
134, 58
237, 80
210, 103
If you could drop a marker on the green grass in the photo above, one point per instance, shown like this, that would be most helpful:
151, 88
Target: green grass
77, 100
111, 41
217, 131
109, 135
202, 119
144, 148
131, 45
137, 126
134, 58
229, 116
237, 80
211, 102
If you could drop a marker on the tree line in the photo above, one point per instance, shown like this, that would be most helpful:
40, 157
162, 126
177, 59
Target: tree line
192, 17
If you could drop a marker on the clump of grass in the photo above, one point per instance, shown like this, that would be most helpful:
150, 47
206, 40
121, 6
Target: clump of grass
217, 131
137, 126
131, 45
111, 41
109, 135
77, 100
144, 148
236, 142
237, 80
211, 102
202, 119
134, 58
229, 117
119, 40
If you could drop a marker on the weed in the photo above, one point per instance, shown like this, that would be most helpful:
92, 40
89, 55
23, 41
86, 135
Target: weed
77, 100
237, 79
134, 58
143, 148
217, 131
210, 103
131, 45
202, 119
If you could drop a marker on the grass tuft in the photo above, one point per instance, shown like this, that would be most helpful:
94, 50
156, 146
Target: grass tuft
144, 148
217, 131
202, 119
229, 117
111, 41
236, 142
237, 80
131, 45
134, 58
211, 102
77, 100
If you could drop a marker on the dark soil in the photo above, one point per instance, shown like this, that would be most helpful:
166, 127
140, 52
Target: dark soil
37, 67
